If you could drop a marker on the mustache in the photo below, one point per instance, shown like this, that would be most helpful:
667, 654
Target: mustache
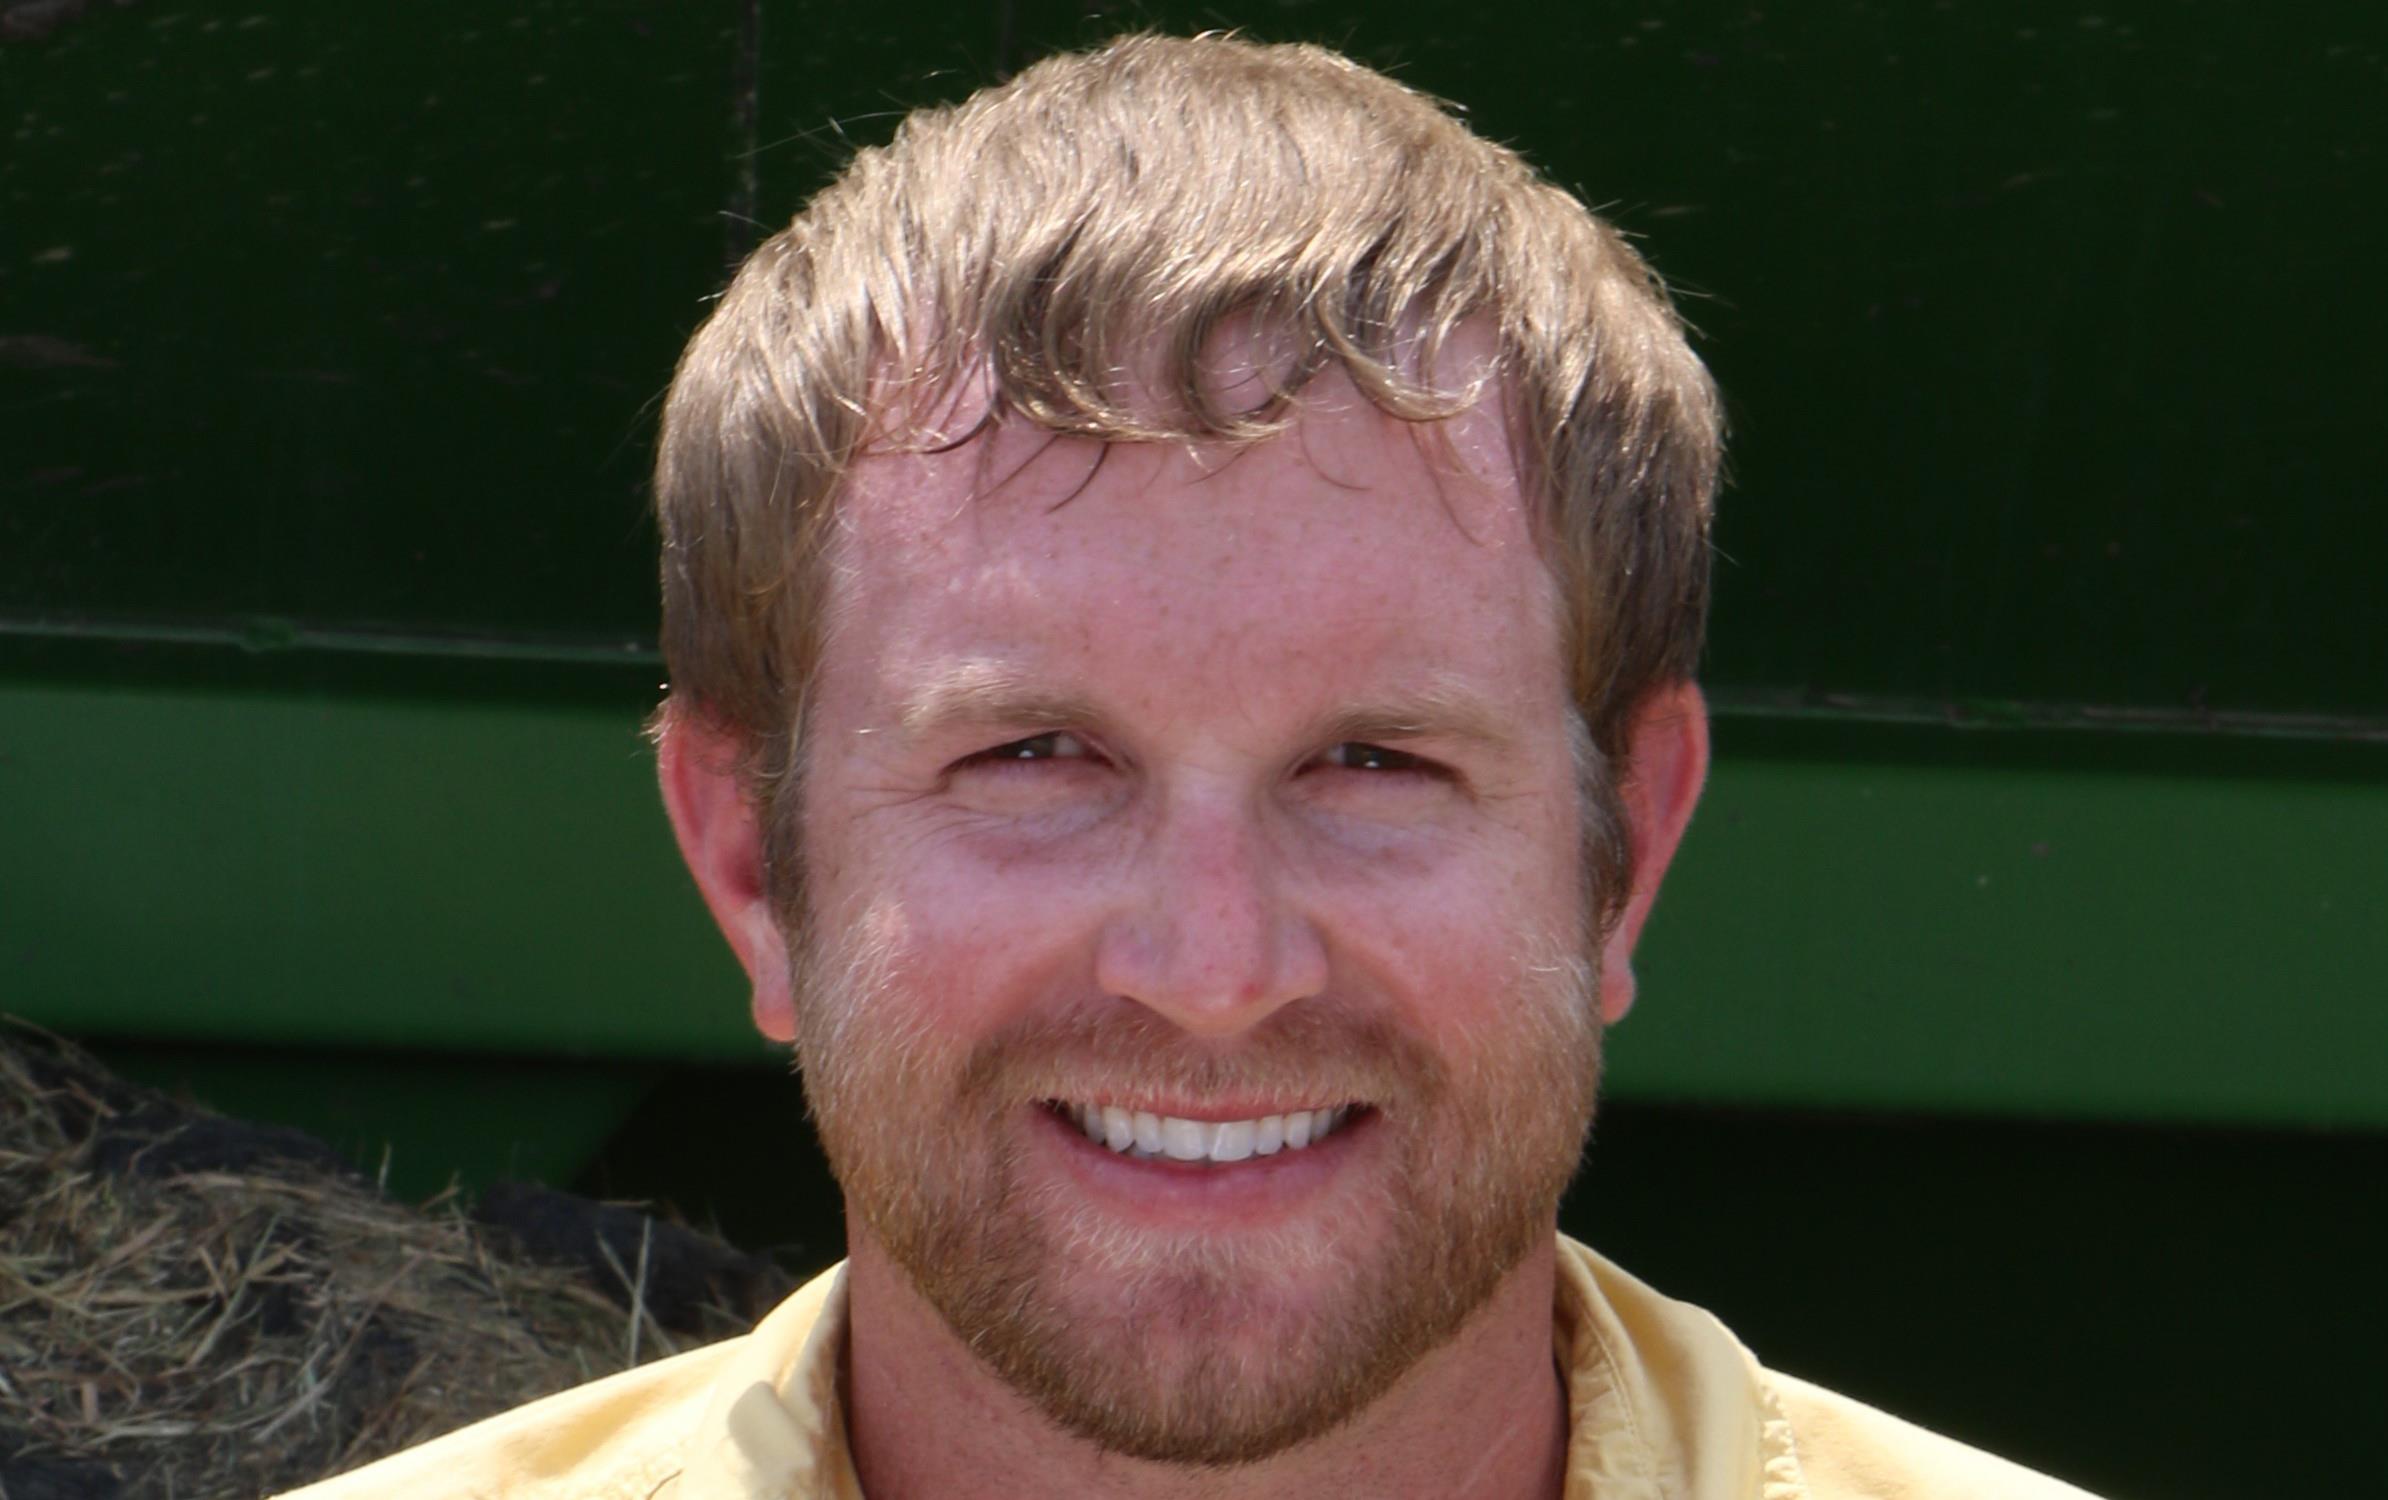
1312, 1049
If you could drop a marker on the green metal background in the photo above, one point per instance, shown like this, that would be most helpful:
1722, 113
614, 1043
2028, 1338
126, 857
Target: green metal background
2045, 329
2048, 655
1911, 933
329, 341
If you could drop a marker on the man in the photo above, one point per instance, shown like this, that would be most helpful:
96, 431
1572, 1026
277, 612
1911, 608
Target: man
1182, 579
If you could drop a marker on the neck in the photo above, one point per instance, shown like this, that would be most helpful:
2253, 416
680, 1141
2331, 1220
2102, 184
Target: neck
1484, 1417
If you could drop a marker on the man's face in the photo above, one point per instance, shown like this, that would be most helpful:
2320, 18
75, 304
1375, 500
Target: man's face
1206, 802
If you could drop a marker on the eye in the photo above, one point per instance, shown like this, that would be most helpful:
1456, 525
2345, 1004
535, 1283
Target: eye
1355, 755
1057, 745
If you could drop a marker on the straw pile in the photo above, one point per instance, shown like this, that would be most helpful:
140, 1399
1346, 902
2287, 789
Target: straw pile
194, 1307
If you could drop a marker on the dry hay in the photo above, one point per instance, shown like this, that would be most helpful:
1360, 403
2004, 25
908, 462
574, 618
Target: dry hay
194, 1307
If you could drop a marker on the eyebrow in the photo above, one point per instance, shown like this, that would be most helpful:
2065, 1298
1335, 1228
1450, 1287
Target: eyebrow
987, 692
1442, 709
980, 693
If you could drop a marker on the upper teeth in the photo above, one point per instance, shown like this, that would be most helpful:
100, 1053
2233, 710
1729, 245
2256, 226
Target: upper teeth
1140, 1132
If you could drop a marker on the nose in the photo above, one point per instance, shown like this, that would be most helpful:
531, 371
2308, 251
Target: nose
1205, 934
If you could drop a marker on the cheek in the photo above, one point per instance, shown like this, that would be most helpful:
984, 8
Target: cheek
1456, 950
976, 942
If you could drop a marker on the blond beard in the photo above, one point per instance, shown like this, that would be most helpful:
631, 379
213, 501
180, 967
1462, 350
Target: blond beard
1481, 1162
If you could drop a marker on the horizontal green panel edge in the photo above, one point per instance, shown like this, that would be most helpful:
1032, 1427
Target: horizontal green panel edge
279, 653
1869, 931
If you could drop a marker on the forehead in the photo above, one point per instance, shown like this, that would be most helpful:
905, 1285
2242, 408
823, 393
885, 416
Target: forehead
1350, 540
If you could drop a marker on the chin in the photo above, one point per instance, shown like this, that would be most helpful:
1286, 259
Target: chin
1210, 1348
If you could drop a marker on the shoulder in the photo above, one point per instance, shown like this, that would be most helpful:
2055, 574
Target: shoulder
674, 1423
621, 1435
1682, 1396
1847, 1450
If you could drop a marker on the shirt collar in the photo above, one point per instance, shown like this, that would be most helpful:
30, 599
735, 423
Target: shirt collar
1663, 1403
776, 1425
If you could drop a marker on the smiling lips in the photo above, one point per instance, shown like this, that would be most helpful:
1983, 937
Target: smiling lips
1141, 1133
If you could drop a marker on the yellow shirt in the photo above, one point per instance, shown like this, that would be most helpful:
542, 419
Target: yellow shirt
1663, 1404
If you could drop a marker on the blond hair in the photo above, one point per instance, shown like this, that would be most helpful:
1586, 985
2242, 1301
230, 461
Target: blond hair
1041, 235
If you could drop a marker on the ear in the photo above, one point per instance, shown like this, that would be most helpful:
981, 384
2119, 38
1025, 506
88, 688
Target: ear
1668, 763
722, 841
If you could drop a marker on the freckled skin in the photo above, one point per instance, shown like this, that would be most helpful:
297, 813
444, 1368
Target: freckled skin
1215, 617
1193, 853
